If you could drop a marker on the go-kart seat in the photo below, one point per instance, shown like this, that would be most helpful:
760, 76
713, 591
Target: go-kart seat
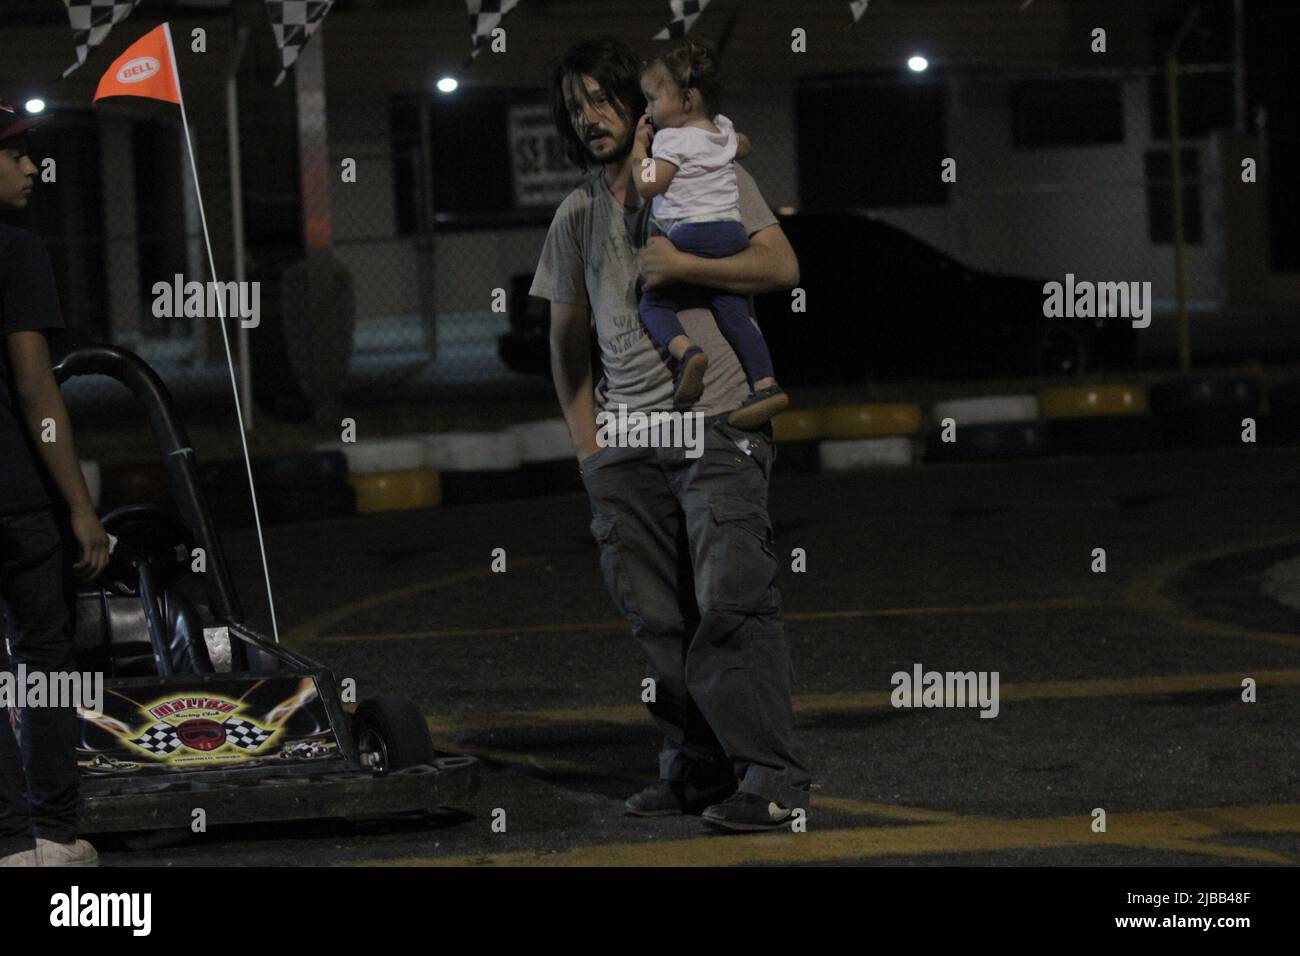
112, 624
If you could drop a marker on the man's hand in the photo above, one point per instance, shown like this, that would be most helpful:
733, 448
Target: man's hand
93, 539
660, 263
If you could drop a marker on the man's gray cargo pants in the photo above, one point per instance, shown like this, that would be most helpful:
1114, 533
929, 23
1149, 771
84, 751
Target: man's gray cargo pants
687, 553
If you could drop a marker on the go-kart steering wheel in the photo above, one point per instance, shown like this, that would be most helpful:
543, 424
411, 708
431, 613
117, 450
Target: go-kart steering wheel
151, 534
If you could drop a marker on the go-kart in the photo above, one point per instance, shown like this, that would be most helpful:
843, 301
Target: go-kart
201, 712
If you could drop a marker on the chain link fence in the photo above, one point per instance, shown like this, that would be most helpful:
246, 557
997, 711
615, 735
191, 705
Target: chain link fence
1047, 175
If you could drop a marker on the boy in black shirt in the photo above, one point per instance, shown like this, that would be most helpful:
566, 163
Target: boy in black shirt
38, 771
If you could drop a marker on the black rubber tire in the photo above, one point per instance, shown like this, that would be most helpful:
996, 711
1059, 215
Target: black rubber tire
1283, 424
305, 467
479, 487
308, 501
559, 477
797, 457
1207, 430
394, 727
1227, 396
994, 441
1106, 434
1285, 398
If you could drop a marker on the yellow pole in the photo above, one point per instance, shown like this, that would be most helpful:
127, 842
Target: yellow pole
1176, 183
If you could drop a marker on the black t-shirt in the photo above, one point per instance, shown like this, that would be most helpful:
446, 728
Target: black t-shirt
29, 302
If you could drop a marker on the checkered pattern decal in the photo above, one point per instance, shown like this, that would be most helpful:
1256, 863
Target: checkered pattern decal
685, 13
91, 22
244, 735
484, 17
160, 739
293, 22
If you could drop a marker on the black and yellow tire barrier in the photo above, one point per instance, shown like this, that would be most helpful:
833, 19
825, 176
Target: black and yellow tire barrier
1205, 411
989, 442
797, 434
397, 490
1092, 401
1099, 419
1283, 414
877, 420
797, 425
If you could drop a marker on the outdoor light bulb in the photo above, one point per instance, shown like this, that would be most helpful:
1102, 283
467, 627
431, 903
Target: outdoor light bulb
917, 64
35, 105
447, 85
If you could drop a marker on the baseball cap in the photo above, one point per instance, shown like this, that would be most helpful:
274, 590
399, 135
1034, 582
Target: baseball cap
11, 125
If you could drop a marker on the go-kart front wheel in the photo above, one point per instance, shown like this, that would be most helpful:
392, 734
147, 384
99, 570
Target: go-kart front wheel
391, 734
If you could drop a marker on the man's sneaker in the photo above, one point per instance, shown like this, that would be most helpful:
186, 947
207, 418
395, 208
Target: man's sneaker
21, 858
688, 384
77, 853
747, 811
759, 407
669, 797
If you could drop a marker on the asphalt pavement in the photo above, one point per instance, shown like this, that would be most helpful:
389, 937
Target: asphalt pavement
1120, 690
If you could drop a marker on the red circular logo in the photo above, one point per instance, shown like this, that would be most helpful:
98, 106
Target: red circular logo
201, 734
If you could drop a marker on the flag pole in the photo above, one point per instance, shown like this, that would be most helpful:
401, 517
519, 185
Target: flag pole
225, 335
237, 214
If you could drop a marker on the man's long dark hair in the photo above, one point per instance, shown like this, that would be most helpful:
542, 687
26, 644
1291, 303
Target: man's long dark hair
616, 67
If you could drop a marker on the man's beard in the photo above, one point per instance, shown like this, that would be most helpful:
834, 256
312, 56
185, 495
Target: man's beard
620, 152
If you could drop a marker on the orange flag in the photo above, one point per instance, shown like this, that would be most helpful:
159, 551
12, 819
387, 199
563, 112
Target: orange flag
147, 68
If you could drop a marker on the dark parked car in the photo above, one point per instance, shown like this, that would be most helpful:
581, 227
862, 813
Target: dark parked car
879, 303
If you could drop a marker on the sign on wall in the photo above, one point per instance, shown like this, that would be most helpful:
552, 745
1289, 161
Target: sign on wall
542, 175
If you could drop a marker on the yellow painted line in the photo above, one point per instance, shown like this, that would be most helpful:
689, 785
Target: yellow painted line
310, 629
849, 702
548, 764
613, 625
1146, 593
1042, 604
1177, 830
620, 626
551, 765
1215, 819
1224, 851
889, 811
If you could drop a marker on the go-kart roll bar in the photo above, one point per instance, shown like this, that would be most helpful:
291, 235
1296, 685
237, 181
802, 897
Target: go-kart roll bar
128, 368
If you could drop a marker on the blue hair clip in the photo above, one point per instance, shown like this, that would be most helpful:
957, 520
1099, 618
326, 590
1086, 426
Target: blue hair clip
695, 76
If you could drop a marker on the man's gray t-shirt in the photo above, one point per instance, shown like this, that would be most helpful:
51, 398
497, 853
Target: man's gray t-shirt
590, 259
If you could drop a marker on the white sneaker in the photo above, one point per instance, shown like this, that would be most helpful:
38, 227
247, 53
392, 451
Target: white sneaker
21, 858
79, 853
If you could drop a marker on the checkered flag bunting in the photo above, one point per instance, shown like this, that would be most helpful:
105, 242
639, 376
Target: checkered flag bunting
91, 22
245, 735
858, 7
685, 13
294, 22
161, 739
484, 17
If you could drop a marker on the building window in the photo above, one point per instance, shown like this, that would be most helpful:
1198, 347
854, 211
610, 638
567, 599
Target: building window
870, 142
478, 157
1055, 113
